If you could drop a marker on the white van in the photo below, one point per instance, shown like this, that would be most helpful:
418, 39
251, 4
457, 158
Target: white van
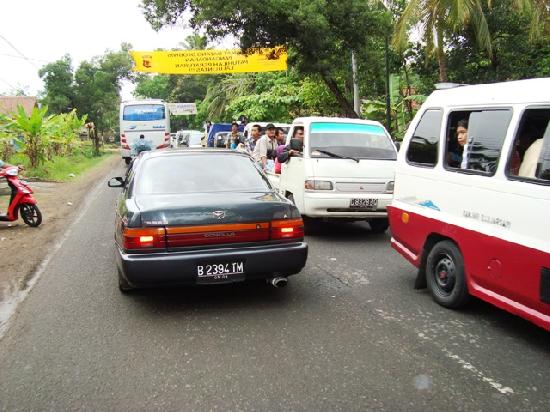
346, 170
472, 197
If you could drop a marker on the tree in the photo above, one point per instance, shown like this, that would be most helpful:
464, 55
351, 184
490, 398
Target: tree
436, 17
58, 85
319, 34
439, 20
97, 87
516, 54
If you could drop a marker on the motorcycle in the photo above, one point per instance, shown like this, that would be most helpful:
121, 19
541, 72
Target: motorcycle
21, 200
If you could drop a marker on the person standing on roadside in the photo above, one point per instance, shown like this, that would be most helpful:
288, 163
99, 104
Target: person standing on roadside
235, 137
255, 134
264, 152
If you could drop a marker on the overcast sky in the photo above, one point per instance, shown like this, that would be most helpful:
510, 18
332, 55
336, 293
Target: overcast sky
43, 31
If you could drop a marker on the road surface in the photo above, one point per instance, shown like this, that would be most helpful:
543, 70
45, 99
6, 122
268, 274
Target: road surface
348, 333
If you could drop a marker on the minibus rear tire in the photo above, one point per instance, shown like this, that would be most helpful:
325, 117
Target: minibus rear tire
445, 275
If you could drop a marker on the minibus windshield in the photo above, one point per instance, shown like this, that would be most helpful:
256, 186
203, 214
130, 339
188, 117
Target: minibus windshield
350, 140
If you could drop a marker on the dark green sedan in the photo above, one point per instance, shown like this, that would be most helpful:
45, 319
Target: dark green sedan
203, 217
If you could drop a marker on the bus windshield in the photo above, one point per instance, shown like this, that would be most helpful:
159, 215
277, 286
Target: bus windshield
361, 141
144, 112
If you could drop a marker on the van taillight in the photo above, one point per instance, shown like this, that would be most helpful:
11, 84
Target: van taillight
149, 238
123, 138
287, 229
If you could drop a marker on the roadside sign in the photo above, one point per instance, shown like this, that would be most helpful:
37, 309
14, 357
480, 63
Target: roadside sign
210, 61
179, 109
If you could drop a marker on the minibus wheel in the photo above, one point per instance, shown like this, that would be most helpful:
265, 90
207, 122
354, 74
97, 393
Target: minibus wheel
445, 275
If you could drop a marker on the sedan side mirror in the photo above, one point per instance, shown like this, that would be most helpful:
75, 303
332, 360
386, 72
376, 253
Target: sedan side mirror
116, 182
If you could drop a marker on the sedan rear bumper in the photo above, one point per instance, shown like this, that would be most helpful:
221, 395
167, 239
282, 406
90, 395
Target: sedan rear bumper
142, 270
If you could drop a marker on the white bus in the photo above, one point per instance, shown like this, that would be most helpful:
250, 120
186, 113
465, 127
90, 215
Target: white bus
150, 118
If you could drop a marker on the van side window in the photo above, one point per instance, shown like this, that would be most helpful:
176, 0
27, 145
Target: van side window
424, 144
530, 157
475, 138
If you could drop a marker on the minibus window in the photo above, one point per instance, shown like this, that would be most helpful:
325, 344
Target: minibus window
530, 157
424, 144
475, 139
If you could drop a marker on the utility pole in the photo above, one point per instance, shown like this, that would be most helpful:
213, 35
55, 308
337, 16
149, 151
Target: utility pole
388, 91
356, 100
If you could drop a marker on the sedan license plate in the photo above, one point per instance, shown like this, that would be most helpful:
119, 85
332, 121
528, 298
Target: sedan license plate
220, 272
367, 204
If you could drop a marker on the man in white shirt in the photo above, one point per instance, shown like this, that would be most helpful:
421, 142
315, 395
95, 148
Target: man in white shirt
530, 162
266, 147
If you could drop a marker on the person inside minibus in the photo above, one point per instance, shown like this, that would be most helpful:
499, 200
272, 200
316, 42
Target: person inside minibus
529, 144
456, 146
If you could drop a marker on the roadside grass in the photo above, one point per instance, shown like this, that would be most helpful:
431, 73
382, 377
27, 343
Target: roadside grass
62, 168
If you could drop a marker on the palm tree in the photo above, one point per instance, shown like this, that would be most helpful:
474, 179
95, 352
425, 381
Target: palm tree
437, 16
195, 42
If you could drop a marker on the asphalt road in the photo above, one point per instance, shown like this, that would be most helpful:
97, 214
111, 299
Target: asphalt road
348, 333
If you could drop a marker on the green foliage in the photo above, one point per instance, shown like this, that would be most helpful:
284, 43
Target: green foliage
93, 89
516, 55
62, 168
403, 106
319, 34
59, 93
97, 88
42, 136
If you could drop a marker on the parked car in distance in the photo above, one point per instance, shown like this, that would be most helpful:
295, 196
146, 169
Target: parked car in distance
208, 227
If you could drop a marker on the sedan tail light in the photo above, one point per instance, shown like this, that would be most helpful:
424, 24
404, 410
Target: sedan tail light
287, 229
148, 238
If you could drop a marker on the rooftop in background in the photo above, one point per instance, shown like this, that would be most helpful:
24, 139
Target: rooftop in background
8, 104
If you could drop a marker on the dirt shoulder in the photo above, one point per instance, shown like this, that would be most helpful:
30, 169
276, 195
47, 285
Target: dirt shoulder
22, 248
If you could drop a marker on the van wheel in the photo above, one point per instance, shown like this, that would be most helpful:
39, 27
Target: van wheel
127, 160
379, 225
445, 275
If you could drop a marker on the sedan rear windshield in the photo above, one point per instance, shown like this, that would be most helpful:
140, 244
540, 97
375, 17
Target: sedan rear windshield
199, 173
361, 141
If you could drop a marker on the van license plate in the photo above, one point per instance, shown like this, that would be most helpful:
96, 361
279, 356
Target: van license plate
220, 272
367, 204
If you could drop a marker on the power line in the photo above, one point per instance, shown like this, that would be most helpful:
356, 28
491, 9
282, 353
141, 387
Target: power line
18, 51
19, 57
8, 83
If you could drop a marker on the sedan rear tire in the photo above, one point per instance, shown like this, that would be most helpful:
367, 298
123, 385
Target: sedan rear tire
123, 284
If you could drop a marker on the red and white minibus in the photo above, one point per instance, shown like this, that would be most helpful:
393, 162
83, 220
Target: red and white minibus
471, 206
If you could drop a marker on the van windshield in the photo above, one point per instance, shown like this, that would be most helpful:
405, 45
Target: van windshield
143, 112
359, 141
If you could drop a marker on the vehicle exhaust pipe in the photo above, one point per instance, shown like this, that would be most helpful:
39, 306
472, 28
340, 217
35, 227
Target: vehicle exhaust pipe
278, 282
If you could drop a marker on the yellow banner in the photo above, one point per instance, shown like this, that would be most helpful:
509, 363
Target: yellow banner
210, 61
